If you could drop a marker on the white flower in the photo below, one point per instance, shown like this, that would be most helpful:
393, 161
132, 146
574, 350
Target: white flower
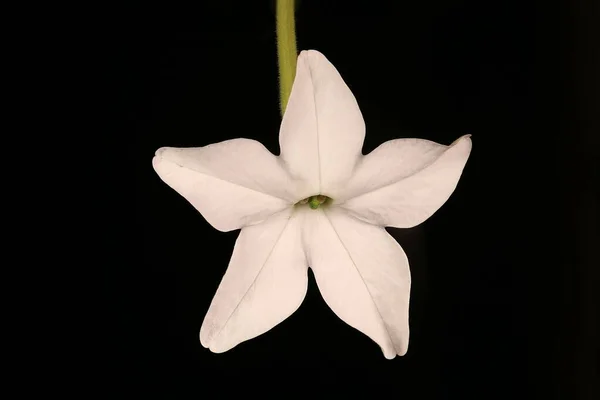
360, 270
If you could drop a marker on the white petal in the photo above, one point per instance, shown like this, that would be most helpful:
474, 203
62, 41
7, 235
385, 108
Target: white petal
404, 181
322, 131
363, 276
265, 283
234, 183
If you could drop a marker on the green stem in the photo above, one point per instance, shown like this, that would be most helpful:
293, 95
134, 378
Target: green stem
286, 49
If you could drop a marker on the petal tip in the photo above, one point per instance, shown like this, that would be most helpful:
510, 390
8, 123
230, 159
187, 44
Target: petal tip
220, 347
466, 137
204, 339
164, 152
463, 141
311, 53
302, 57
311, 57
158, 156
390, 354
314, 53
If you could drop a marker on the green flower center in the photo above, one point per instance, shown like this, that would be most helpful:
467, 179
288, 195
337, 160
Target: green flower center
315, 202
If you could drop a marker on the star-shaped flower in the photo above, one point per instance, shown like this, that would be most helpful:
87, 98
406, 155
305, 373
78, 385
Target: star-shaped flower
320, 204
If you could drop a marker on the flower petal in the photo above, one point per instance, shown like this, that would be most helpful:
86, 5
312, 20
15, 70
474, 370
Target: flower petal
265, 283
404, 181
322, 131
233, 184
363, 276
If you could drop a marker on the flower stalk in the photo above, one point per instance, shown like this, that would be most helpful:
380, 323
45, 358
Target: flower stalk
287, 53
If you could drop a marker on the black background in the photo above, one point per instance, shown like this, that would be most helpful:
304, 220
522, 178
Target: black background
502, 301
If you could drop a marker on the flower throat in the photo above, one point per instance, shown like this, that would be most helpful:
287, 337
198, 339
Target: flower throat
315, 202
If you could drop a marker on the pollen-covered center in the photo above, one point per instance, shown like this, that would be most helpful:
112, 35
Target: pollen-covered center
315, 202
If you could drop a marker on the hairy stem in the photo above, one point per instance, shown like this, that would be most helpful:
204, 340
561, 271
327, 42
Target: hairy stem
286, 49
